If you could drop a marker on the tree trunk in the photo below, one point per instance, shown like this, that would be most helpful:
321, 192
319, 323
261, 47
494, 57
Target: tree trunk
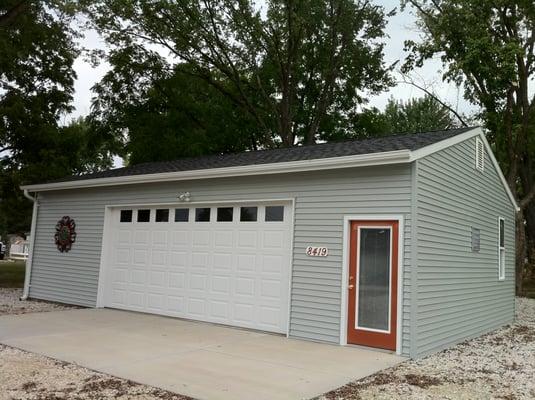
520, 253
530, 237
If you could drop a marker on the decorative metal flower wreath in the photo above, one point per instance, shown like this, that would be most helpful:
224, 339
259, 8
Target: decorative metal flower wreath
65, 234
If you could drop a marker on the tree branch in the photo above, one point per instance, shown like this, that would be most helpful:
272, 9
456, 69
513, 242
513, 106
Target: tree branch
436, 98
9, 17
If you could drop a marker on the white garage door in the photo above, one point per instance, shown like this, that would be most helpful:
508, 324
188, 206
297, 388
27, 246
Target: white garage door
227, 264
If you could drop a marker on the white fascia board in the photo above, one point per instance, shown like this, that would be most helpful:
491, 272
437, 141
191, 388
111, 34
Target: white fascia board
433, 148
443, 144
362, 160
499, 170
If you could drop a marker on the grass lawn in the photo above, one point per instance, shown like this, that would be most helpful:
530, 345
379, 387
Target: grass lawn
12, 274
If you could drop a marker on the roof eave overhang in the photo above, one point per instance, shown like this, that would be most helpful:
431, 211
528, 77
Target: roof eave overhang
363, 160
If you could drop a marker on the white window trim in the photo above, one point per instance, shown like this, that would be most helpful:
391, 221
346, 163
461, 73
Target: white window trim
480, 153
501, 268
391, 230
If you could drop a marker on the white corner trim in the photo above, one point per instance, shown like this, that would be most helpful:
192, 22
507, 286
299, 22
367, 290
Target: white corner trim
362, 160
498, 170
443, 144
345, 272
29, 261
104, 256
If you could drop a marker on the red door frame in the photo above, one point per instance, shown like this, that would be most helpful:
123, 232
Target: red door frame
362, 336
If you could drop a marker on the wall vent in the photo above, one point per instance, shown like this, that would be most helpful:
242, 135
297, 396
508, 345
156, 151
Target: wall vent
480, 155
476, 240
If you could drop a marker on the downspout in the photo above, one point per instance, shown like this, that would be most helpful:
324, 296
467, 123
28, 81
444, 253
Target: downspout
28, 274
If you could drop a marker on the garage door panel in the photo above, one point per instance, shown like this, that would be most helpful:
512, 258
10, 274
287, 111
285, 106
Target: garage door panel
233, 273
141, 237
123, 237
141, 257
247, 240
122, 256
246, 262
180, 238
201, 238
223, 239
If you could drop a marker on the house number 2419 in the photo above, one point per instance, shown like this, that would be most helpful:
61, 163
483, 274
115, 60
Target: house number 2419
314, 251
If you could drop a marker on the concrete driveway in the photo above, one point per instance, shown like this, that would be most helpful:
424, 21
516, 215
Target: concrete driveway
197, 359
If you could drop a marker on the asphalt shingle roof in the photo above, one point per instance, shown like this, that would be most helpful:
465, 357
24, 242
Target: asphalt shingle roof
411, 141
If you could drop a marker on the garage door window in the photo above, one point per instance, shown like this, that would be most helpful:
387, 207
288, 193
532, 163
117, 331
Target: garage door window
248, 214
126, 216
202, 215
181, 214
143, 215
274, 213
224, 214
162, 215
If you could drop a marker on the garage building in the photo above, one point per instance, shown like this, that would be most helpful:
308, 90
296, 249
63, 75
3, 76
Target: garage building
403, 242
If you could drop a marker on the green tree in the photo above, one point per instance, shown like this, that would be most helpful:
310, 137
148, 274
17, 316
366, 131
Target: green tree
167, 115
489, 47
298, 69
414, 115
37, 47
418, 115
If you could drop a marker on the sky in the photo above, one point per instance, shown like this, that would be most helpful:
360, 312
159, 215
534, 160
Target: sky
400, 28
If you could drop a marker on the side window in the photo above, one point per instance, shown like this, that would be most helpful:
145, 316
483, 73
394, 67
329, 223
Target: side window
143, 215
126, 216
248, 214
501, 248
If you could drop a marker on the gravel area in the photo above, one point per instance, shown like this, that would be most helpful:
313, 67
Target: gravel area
10, 303
499, 365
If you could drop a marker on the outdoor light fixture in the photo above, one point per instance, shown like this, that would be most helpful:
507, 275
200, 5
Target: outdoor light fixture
184, 197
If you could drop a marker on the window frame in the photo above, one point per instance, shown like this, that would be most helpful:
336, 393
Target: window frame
501, 249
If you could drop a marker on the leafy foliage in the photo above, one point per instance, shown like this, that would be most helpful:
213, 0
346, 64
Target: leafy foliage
489, 47
295, 70
415, 115
38, 49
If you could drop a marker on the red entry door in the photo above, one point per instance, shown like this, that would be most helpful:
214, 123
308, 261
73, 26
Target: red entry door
373, 282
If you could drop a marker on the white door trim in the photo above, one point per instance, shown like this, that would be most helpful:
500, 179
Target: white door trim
107, 229
345, 271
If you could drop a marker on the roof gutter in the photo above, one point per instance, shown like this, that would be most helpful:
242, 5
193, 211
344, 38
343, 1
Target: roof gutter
28, 272
390, 157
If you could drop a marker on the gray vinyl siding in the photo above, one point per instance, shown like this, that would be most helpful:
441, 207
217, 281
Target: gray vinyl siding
459, 295
321, 201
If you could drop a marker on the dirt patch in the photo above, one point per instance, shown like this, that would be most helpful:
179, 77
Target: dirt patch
422, 381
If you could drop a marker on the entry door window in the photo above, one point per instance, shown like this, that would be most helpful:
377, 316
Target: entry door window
373, 304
